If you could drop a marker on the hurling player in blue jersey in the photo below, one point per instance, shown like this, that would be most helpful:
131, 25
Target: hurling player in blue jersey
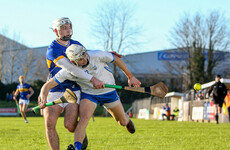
93, 62
56, 60
26, 92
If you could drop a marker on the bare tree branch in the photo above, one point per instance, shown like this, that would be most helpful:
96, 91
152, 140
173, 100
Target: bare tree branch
196, 36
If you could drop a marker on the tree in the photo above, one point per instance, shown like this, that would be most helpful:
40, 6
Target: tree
9, 57
3, 46
28, 62
15, 59
114, 28
200, 38
42, 71
12, 57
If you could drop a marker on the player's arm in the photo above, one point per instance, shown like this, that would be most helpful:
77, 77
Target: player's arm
209, 92
31, 93
44, 92
16, 94
79, 73
131, 79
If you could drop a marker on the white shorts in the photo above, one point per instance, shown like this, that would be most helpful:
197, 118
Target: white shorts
23, 101
52, 96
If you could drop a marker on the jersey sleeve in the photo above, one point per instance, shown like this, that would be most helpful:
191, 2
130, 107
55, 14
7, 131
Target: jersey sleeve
28, 86
105, 56
77, 72
54, 55
63, 75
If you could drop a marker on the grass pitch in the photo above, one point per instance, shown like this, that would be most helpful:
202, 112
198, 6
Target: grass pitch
106, 134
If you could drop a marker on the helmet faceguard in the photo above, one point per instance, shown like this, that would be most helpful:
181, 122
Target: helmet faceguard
57, 25
75, 52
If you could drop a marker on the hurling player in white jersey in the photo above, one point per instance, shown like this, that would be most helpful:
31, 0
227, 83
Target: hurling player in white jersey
94, 63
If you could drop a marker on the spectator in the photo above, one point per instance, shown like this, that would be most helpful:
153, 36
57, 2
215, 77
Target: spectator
175, 113
227, 103
166, 112
11, 95
7, 97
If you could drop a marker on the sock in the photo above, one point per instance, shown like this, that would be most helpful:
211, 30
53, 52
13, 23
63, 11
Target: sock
78, 145
217, 117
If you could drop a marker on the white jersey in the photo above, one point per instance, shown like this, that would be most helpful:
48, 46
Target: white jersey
97, 67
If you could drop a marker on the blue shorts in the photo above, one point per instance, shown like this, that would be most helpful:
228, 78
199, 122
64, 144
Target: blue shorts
103, 98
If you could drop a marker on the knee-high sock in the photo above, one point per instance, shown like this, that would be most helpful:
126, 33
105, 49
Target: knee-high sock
217, 117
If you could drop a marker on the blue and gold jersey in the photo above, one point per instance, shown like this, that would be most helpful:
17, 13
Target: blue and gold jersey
55, 52
24, 90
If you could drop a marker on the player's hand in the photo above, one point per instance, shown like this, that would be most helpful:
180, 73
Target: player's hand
14, 98
134, 81
115, 53
98, 84
28, 96
41, 102
42, 112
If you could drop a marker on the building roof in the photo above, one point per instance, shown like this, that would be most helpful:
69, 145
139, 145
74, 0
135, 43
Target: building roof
209, 84
174, 94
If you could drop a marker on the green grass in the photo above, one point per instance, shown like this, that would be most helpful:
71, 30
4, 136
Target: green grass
106, 134
11, 104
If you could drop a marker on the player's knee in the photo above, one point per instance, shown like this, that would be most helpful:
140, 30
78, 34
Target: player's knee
22, 111
123, 122
70, 127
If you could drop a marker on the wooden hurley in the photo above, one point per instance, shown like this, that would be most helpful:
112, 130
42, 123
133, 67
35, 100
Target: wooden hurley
159, 89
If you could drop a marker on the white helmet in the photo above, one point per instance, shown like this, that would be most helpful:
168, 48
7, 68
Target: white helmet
75, 52
59, 22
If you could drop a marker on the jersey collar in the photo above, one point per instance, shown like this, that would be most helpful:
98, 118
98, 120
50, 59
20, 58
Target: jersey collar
66, 45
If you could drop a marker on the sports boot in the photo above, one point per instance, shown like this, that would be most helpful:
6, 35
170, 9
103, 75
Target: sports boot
85, 143
130, 127
70, 147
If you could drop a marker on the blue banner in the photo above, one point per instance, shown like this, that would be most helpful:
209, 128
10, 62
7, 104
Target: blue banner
180, 56
205, 110
172, 56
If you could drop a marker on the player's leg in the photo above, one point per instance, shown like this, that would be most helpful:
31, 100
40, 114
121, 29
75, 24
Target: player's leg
229, 113
70, 122
216, 113
25, 106
93, 118
51, 115
86, 110
118, 114
220, 106
71, 115
21, 107
117, 111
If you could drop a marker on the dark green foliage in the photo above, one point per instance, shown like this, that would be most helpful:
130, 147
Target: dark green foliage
36, 85
9, 88
197, 65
